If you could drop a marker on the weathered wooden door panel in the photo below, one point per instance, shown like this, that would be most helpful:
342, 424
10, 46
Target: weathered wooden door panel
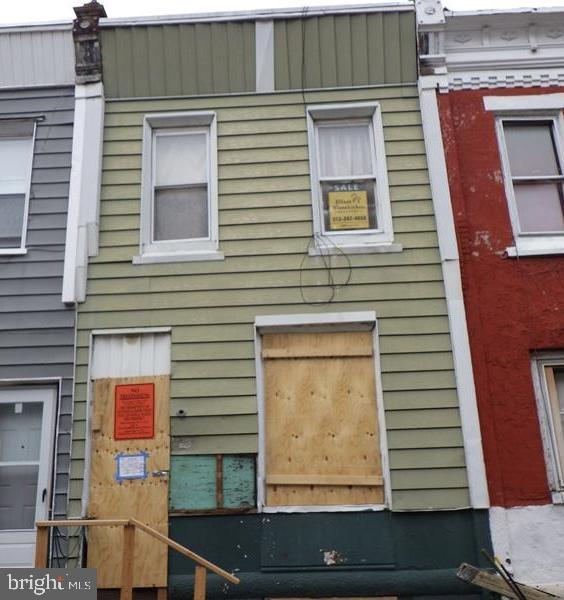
322, 437
144, 499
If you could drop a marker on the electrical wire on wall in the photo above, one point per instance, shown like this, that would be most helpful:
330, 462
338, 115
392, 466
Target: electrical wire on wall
65, 547
324, 249
329, 254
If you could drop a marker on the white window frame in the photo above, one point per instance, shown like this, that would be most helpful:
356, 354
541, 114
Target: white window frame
545, 107
551, 430
380, 239
177, 250
327, 322
21, 249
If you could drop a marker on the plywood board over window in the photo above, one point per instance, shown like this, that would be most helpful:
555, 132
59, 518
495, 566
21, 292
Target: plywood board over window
321, 425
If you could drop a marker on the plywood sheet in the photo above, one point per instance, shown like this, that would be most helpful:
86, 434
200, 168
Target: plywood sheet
321, 422
145, 500
295, 345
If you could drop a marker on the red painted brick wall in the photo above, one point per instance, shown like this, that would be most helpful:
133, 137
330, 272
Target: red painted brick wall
514, 306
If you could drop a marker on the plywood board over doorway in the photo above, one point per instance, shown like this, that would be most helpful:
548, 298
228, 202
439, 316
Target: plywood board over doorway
143, 499
321, 425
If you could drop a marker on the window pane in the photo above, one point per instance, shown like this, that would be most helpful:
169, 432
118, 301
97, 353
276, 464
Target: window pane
181, 158
181, 213
531, 149
20, 431
344, 150
14, 165
349, 205
11, 220
539, 206
18, 494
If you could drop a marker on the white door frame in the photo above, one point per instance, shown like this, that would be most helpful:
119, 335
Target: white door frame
48, 396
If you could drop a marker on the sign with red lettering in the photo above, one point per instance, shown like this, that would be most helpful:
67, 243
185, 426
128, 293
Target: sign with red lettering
135, 411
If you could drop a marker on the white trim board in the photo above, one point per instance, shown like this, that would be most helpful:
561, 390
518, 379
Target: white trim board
246, 15
521, 104
450, 264
264, 55
352, 321
84, 190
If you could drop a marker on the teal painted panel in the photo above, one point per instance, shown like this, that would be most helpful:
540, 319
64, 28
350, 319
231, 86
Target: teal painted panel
239, 481
192, 483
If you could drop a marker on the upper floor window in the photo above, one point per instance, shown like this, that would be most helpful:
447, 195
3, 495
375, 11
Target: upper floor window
548, 372
179, 197
351, 205
16, 156
536, 175
531, 136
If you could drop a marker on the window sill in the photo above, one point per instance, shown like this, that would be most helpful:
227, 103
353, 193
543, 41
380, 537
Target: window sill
557, 497
536, 246
360, 249
147, 259
13, 251
324, 508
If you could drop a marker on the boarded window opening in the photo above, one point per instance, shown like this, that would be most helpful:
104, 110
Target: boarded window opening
321, 424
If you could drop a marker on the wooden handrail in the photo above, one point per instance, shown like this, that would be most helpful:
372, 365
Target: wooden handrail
183, 550
129, 526
84, 523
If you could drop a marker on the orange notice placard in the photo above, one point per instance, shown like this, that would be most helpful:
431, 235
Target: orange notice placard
135, 411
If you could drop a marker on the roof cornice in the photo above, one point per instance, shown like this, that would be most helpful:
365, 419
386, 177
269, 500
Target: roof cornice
491, 48
258, 15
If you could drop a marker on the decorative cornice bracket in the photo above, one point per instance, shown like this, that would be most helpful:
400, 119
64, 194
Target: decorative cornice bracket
87, 47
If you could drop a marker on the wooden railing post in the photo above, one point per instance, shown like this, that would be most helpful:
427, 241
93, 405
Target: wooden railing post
127, 558
200, 583
128, 553
41, 547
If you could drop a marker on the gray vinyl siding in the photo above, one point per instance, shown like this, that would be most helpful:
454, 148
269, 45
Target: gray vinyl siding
36, 329
31, 56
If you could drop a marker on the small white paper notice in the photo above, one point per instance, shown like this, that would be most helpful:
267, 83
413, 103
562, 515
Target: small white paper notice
131, 466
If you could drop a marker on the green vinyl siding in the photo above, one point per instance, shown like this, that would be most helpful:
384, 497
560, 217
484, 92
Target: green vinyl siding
265, 231
182, 59
179, 59
345, 50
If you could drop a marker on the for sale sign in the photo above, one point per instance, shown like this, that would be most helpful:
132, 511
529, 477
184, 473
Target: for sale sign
348, 210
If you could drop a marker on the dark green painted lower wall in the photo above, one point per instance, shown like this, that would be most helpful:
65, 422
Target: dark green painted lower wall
332, 554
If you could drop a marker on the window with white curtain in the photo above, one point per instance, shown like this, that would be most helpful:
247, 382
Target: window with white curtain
348, 176
16, 155
179, 197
